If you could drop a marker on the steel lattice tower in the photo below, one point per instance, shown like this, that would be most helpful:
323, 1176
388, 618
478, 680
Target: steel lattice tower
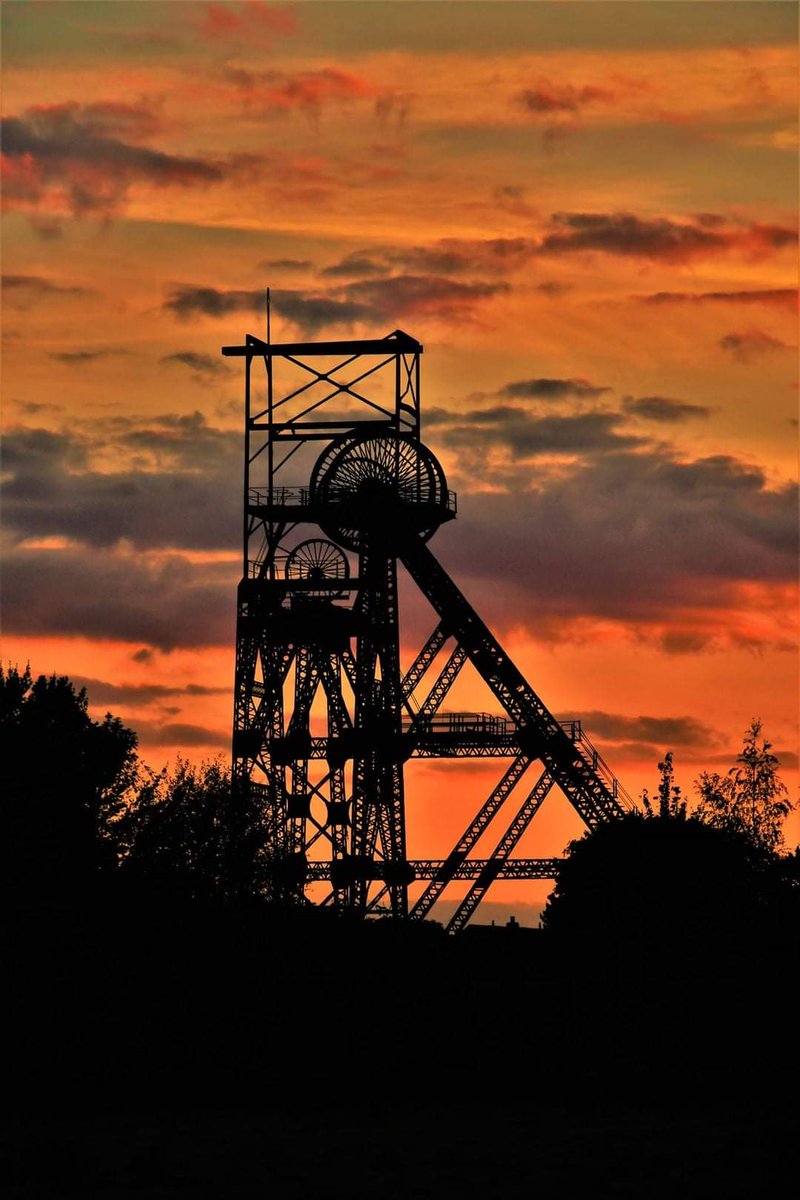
324, 716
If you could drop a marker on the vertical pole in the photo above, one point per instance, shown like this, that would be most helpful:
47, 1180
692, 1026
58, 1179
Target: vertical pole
398, 392
246, 498
270, 439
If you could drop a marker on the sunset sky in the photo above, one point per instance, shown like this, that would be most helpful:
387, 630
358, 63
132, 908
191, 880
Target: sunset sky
587, 214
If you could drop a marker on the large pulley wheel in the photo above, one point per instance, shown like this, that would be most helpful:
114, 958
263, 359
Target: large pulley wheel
378, 484
317, 561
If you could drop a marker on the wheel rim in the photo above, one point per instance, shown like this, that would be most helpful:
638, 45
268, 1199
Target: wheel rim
378, 484
318, 561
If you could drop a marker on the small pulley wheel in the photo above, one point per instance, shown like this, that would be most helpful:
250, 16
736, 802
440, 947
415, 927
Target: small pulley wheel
318, 561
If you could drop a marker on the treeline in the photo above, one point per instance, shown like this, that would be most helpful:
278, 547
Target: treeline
150, 962
79, 807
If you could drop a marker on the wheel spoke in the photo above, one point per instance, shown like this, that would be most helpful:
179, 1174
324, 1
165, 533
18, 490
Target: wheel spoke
360, 464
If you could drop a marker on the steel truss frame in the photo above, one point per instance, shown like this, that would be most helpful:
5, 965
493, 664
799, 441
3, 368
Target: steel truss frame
324, 717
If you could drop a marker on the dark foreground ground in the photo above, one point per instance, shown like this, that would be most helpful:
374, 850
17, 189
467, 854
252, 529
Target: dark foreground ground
196, 1055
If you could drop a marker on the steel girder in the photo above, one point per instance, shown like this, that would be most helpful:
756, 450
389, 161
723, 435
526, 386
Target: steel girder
434, 868
595, 798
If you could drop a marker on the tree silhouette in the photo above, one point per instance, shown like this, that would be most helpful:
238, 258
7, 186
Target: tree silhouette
750, 799
661, 875
670, 800
185, 832
63, 776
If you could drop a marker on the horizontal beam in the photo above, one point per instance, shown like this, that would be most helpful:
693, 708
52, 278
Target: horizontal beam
396, 343
510, 868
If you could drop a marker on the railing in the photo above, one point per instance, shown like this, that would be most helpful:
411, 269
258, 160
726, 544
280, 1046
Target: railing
596, 762
282, 497
490, 725
255, 570
461, 723
300, 497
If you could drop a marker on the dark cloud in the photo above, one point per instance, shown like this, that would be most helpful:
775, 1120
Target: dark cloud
201, 364
309, 313
523, 435
552, 389
80, 593
82, 357
285, 264
187, 301
173, 733
421, 295
752, 343
368, 301
83, 149
100, 691
355, 266
313, 313
777, 297
640, 539
186, 494
32, 456
553, 288
658, 238
186, 497
447, 256
39, 285
669, 732
512, 198
548, 99
309, 91
787, 759
616, 530
32, 407
496, 256
663, 409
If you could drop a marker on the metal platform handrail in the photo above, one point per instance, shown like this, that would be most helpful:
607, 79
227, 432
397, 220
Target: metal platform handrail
289, 497
596, 761
302, 497
444, 723
461, 722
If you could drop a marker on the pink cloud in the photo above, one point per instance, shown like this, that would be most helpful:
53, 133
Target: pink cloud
277, 90
246, 19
